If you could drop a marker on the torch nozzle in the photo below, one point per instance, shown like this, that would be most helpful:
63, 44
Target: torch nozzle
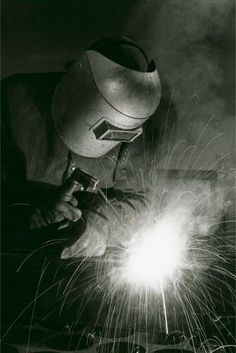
85, 181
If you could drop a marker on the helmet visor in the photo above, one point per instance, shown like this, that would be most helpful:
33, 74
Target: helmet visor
108, 132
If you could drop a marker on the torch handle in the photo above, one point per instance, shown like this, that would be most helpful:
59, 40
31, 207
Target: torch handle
68, 189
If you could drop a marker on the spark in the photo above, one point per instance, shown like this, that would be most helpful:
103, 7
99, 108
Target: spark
157, 253
171, 262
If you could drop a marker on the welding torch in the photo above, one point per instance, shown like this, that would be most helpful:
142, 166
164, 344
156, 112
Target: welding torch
61, 205
80, 181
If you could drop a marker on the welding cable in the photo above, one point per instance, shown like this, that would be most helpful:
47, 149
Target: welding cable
20, 204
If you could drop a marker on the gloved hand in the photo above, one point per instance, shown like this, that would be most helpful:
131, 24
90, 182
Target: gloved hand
104, 230
92, 242
59, 209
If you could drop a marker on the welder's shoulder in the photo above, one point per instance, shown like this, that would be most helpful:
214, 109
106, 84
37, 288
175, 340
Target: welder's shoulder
11, 80
16, 84
25, 101
32, 86
13, 89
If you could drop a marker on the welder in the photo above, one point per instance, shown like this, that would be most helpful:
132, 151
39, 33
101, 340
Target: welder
89, 117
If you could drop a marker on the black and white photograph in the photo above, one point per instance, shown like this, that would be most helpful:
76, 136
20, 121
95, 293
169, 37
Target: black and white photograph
118, 176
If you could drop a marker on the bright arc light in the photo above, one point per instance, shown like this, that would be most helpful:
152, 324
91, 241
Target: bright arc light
156, 254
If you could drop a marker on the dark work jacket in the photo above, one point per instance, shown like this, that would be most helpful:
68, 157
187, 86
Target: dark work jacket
33, 154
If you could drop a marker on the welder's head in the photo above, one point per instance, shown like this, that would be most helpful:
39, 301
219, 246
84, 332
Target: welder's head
105, 97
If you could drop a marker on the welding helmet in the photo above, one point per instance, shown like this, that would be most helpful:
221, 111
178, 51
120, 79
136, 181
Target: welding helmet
105, 97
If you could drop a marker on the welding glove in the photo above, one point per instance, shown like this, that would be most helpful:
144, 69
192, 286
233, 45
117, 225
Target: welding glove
58, 209
105, 230
93, 241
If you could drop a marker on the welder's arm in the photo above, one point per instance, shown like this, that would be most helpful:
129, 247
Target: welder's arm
110, 226
27, 204
31, 205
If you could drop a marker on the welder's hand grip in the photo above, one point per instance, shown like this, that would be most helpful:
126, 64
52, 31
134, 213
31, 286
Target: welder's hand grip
61, 210
68, 189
